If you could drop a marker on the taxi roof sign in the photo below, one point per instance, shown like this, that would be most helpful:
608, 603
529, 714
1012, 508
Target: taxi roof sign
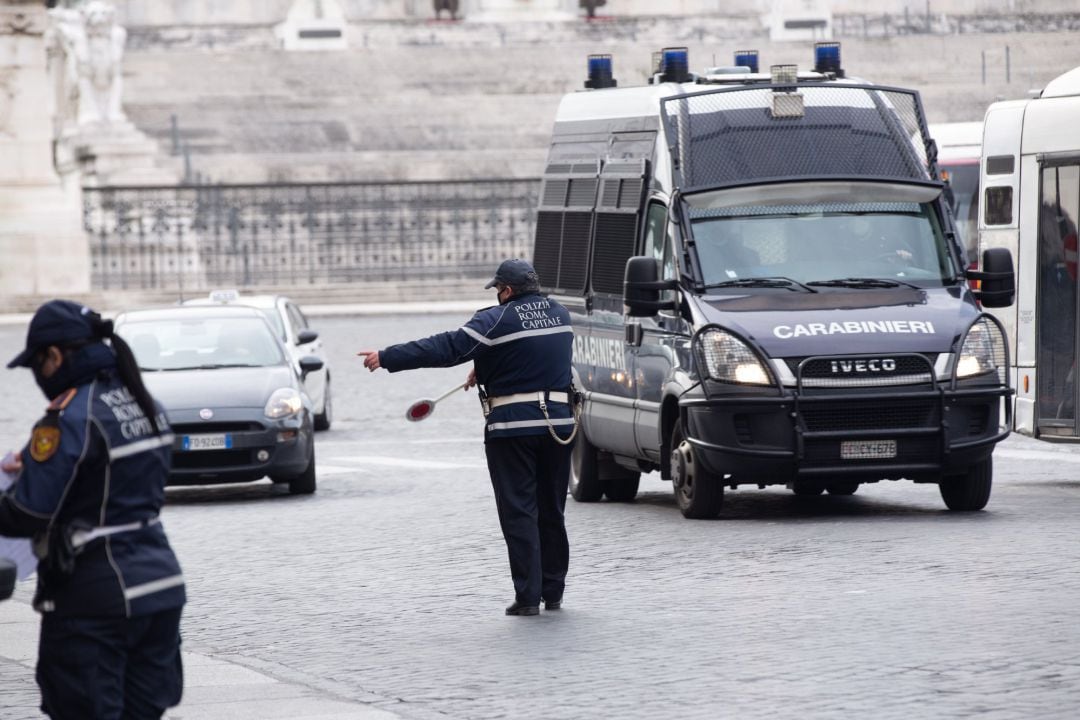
225, 296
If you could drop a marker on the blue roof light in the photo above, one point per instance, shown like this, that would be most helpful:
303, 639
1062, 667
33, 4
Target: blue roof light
747, 58
675, 64
827, 58
600, 72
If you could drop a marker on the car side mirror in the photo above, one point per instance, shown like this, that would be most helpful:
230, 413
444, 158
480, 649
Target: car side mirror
309, 364
997, 287
8, 574
642, 288
306, 336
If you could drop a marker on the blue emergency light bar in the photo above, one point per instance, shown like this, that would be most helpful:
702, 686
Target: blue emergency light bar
600, 72
747, 58
827, 58
675, 65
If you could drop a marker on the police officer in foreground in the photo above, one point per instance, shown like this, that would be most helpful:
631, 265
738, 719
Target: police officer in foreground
90, 485
521, 353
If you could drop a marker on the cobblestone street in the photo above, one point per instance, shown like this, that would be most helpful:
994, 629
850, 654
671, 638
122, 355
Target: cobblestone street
386, 589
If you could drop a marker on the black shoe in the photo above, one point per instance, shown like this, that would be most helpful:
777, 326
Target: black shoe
552, 604
519, 608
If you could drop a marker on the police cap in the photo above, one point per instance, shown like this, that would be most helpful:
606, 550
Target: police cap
516, 273
57, 322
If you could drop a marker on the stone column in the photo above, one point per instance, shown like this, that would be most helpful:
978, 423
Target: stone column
43, 249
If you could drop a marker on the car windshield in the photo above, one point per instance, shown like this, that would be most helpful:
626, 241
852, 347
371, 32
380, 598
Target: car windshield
274, 317
201, 343
829, 245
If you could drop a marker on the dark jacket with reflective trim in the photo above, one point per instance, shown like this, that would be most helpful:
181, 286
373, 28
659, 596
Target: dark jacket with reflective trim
522, 345
109, 469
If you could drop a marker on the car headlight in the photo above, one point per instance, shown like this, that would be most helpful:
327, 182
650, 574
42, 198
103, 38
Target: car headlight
725, 358
283, 403
983, 351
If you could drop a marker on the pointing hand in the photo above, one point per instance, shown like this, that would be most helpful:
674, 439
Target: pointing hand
371, 359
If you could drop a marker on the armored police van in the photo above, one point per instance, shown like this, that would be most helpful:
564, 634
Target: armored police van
767, 287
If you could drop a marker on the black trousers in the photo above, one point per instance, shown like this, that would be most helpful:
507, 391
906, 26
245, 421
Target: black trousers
530, 475
109, 668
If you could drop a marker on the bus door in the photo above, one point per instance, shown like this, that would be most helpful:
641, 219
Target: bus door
1057, 309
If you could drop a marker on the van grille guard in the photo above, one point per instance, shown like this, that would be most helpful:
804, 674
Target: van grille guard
917, 419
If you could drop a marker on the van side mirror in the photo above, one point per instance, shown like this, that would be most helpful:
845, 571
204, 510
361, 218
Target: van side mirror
997, 278
642, 288
7, 578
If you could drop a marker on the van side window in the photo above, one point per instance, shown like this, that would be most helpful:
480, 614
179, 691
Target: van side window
655, 231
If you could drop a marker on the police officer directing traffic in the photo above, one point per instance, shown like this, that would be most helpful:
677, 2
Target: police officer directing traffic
521, 350
90, 485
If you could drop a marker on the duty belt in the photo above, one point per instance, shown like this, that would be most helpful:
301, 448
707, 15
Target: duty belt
82, 537
559, 397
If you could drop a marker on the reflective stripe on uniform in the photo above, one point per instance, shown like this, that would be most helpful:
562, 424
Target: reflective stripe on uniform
517, 335
150, 588
82, 537
529, 423
140, 446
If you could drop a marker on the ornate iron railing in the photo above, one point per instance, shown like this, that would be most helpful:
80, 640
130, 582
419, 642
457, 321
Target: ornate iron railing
192, 237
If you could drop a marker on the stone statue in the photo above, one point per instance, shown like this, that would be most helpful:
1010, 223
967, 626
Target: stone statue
86, 47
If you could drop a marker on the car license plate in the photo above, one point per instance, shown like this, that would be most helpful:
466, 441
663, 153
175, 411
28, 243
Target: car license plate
867, 449
206, 442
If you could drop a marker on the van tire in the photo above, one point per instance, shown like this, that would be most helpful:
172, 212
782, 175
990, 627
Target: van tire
698, 493
807, 490
622, 485
842, 488
970, 491
585, 482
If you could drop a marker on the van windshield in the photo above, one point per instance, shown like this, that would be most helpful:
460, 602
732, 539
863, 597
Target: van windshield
896, 243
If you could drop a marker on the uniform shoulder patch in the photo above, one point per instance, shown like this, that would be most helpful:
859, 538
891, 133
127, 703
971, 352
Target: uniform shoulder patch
62, 400
44, 442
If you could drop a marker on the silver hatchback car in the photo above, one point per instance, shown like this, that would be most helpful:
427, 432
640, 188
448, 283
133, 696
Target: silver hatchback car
300, 340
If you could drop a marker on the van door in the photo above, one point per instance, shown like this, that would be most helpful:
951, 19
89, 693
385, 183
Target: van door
655, 358
1056, 303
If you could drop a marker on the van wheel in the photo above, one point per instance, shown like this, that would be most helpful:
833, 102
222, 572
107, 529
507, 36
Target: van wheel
843, 488
698, 493
622, 484
585, 482
323, 419
592, 477
969, 491
807, 490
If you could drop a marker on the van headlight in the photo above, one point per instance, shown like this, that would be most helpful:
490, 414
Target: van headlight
725, 358
285, 402
983, 351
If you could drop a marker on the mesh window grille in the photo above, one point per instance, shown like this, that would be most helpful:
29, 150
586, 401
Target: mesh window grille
731, 137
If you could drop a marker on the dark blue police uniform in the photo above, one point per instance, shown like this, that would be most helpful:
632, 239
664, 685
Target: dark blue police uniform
522, 355
110, 589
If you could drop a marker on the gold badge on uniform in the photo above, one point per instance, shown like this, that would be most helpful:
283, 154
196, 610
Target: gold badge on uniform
44, 442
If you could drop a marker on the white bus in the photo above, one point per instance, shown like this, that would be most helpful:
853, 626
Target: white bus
1030, 179
959, 146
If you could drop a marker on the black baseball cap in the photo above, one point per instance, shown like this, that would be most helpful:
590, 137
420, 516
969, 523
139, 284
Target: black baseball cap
57, 322
516, 273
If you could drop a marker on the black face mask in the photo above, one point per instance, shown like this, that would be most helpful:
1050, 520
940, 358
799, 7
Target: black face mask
55, 384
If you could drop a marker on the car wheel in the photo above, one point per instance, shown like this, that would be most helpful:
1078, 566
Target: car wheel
969, 491
842, 488
305, 483
698, 493
323, 419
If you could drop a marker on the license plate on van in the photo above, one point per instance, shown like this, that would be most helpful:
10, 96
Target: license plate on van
206, 442
867, 449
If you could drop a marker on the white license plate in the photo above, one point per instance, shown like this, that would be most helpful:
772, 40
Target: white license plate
867, 449
206, 442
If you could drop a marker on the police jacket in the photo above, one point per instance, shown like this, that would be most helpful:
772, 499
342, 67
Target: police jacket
522, 346
90, 489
